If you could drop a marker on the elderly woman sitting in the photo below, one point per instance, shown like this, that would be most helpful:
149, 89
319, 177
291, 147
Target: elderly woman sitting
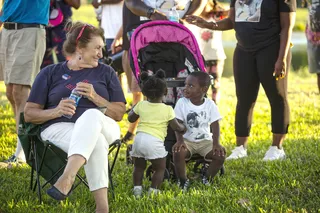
81, 130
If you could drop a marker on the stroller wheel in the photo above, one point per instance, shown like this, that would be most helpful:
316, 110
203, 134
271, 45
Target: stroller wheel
150, 172
128, 157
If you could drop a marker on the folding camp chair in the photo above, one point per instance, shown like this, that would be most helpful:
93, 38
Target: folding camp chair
49, 161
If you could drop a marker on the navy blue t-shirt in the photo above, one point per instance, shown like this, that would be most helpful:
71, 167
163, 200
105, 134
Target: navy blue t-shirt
56, 81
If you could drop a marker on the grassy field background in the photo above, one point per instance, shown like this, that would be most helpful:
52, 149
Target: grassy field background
249, 185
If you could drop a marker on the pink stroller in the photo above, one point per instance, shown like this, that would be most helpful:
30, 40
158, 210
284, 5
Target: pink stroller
172, 47
166, 45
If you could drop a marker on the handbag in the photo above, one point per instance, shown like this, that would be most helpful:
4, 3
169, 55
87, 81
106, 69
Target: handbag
56, 16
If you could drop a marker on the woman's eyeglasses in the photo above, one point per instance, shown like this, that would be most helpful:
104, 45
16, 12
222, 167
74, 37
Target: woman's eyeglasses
81, 31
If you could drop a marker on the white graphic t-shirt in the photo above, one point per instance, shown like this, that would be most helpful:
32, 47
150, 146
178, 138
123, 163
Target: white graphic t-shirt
197, 119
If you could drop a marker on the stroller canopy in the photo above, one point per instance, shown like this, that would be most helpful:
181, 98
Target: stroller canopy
168, 35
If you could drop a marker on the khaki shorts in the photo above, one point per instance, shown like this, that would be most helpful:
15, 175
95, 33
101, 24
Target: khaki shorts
21, 54
132, 81
202, 148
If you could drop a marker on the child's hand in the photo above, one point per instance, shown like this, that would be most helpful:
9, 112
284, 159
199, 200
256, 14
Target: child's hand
218, 150
178, 146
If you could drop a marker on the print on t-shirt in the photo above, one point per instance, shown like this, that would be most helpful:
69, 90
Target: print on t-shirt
248, 10
194, 122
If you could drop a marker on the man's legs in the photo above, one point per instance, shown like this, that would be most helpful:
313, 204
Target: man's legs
17, 96
23, 52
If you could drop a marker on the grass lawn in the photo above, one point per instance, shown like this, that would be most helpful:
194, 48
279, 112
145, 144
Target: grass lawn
249, 185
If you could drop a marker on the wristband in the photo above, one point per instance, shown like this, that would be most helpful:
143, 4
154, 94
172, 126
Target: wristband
150, 12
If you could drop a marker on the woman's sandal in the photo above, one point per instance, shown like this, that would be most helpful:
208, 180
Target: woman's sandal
56, 194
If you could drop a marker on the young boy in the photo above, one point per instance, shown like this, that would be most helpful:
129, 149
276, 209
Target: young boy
199, 114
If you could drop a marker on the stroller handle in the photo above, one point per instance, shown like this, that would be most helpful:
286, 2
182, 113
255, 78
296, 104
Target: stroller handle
175, 82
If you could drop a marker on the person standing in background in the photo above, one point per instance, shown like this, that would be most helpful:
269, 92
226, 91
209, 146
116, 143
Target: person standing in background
60, 13
210, 44
111, 18
128, 19
268, 36
22, 47
313, 38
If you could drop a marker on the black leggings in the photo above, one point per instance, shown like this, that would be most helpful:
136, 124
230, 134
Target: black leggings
251, 69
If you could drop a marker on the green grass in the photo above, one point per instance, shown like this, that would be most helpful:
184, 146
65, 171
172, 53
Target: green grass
301, 19
249, 185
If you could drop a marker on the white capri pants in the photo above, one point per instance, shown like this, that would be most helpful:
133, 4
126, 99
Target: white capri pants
90, 137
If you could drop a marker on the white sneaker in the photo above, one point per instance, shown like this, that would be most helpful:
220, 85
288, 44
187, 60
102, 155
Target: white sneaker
238, 152
153, 191
137, 192
274, 153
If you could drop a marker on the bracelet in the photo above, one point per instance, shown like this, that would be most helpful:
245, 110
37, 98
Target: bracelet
150, 12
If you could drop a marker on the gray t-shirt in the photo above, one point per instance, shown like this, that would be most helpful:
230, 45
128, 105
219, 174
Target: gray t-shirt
257, 22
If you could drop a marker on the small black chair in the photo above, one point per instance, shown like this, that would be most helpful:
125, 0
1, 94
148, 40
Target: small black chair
48, 160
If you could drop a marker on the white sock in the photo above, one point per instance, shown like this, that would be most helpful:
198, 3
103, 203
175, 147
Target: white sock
137, 187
